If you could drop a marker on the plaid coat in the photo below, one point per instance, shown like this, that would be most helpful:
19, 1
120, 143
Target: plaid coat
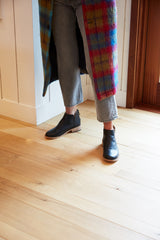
100, 19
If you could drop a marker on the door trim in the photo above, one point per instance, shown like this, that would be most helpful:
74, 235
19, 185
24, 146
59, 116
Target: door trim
137, 51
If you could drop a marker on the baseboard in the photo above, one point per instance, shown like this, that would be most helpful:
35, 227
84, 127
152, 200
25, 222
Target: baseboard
48, 111
18, 111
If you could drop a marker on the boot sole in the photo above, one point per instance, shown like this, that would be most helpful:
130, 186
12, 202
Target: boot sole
110, 160
73, 130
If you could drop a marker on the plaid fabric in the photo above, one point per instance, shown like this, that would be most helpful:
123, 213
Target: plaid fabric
101, 32
45, 13
100, 19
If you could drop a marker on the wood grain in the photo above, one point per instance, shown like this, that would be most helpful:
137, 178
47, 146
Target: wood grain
151, 76
63, 189
137, 52
144, 55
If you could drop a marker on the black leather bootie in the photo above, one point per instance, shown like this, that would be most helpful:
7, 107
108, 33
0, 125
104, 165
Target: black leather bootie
69, 123
110, 148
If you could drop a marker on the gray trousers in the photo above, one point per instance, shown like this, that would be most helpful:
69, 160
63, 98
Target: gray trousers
65, 13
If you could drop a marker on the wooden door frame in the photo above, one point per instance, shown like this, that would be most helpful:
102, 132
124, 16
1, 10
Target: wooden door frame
137, 51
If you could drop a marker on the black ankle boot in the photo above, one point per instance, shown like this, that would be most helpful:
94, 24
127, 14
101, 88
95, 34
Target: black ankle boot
110, 148
69, 123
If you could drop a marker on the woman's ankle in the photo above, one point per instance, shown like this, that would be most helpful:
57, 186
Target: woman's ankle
108, 125
71, 110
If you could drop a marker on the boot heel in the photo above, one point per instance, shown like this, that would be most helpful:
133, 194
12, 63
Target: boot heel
76, 129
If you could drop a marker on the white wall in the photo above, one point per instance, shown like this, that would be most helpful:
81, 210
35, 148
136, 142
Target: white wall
21, 72
124, 12
16, 61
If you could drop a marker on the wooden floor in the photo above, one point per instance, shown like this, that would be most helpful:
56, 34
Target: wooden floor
63, 190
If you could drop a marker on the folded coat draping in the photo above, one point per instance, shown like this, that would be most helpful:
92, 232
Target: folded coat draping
100, 20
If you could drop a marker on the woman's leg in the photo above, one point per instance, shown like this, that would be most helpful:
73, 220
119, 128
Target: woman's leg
64, 33
106, 109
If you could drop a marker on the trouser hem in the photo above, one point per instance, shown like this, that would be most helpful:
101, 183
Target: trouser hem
107, 119
74, 104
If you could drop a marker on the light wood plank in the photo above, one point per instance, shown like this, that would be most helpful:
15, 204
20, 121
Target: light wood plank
66, 183
38, 223
8, 232
78, 219
53, 187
